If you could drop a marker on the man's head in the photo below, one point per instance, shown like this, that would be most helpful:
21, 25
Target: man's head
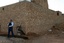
10, 20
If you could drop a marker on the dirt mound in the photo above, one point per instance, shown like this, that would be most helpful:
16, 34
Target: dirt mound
57, 29
32, 35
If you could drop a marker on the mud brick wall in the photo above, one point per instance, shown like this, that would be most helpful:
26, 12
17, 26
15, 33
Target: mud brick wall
16, 12
42, 3
32, 17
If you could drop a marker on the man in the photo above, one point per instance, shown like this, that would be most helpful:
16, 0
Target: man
10, 28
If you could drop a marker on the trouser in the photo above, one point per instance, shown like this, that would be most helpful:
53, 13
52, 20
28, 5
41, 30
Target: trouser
10, 29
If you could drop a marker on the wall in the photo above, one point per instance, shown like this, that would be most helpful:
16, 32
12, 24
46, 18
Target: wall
42, 3
32, 17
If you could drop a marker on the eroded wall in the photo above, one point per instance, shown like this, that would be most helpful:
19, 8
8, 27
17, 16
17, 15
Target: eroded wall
32, 17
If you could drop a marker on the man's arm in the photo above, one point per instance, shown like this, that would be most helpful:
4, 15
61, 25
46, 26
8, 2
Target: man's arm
12, 24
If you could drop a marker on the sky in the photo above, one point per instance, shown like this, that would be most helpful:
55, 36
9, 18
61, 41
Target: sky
56, 5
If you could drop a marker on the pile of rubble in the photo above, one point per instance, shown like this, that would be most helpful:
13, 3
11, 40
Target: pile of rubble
57, 29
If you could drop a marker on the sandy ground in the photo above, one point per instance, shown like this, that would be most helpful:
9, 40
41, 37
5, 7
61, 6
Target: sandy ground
47, 38
11, 40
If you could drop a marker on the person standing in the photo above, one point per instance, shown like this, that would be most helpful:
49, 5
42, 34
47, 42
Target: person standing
10, 28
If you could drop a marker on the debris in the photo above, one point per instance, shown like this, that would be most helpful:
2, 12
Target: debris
50, 30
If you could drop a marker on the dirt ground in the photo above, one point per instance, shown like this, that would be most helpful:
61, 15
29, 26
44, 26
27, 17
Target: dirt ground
47, 38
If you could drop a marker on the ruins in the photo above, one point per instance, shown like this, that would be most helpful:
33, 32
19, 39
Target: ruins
34, 16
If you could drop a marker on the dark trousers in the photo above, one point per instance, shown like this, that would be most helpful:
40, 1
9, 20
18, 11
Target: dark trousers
10, 29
